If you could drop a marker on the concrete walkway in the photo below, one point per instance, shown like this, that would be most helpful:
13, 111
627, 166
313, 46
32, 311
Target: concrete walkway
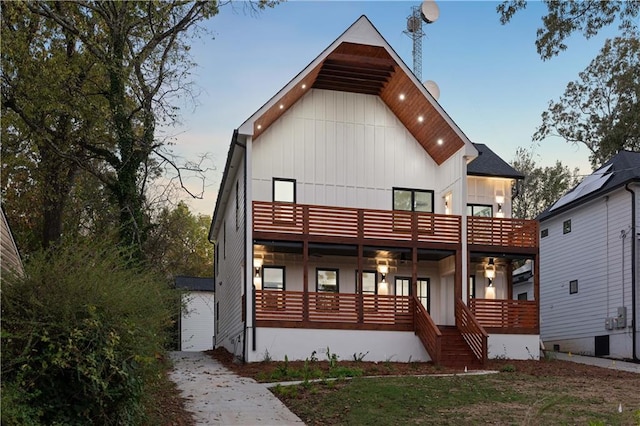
216, 396
600, 362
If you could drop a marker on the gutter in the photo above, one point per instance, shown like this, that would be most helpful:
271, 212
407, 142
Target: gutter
634, 239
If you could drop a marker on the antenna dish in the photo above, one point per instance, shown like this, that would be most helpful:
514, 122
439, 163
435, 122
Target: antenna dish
432, 88
429, 11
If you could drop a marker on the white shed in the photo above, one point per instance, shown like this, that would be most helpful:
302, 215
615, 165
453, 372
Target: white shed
197, 313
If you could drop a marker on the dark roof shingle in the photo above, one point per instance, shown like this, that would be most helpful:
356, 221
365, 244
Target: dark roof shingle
488, 163
194, 283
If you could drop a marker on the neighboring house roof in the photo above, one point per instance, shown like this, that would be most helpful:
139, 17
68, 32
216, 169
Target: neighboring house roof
9, 255
623, 168
359, 61
488, 163
523, 273
194, 283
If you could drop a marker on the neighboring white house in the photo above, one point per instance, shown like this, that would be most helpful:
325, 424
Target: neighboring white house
354, 214
589, 273
197, 313
523, 282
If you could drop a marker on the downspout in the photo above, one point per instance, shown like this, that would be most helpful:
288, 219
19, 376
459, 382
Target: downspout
634, 239
244, 337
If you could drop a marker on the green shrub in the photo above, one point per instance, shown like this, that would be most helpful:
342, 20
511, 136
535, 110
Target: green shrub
508, 368
81, 334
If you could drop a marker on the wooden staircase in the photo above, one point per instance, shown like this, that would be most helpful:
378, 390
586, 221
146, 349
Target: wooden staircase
455, 352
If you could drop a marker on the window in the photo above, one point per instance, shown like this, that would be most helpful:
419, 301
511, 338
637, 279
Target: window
544, 233
284, 190
522, 296
566, 226
327, 280
573, 287
237, 206
417, 200
482, 210
424, 293
403, 286
273, 278
369, 282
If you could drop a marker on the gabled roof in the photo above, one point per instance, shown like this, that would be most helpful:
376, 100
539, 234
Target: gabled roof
361, 61
623, 168
488, 163
194, 283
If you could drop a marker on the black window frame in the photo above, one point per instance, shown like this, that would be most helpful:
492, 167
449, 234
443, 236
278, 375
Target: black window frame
273, 189
428, 280
479, 205
525, 294
284, 277
544, 233
566, 226
395, 285
472, 287
573, 287
337, 271
366, 271
413, 199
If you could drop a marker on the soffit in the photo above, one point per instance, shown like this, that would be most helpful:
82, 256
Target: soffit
366, 69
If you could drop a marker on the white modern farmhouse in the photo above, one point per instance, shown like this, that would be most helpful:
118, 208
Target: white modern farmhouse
354, 214
590, 278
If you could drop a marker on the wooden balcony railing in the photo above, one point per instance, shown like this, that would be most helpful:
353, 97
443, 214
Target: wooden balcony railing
511, 316
341, 309
428, 332
343, 222
491, 231
471, 330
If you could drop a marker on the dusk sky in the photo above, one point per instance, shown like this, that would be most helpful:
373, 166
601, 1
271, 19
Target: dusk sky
492, 81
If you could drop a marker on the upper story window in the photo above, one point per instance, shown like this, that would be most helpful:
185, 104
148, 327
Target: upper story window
416, 200
566, 226
284, 190
544, 233
483, 210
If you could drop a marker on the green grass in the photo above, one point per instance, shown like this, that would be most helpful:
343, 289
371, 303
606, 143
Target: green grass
494, 399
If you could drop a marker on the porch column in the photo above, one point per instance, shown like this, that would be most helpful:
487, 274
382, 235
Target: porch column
457, 285
360, 304
305, 280
509, 272
414, 272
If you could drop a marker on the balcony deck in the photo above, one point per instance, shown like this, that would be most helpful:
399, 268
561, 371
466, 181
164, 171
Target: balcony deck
351, 225
513, 234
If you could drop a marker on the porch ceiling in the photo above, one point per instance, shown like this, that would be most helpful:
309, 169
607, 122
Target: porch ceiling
371, 70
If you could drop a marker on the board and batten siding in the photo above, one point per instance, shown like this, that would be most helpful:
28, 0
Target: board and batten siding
347, 150
483, 190
592, 254
230, 273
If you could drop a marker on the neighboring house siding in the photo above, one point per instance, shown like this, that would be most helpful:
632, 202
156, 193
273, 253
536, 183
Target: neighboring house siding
346, 150
230, 274
592, 254
9, 256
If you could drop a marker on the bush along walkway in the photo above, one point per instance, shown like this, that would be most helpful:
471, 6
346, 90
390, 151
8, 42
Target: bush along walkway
215, 395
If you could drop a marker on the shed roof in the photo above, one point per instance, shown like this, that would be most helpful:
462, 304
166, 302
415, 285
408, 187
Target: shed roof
195, 283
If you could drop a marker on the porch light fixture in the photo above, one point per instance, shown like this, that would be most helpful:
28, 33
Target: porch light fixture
383, 288
257, 280
490, 271
500, 202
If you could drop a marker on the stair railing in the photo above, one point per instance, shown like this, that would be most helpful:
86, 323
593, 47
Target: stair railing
472, 332
427, 331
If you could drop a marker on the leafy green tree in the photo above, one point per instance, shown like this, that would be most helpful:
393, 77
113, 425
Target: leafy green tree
178, 243
602, 108
542, 186
565, 17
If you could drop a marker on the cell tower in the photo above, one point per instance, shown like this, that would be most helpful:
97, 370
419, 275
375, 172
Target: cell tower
428, 12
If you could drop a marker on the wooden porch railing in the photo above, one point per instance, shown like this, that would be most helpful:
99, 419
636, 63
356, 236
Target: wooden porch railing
509, 315
339, 308
471, 330
491, 231
344, 222
428, 332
